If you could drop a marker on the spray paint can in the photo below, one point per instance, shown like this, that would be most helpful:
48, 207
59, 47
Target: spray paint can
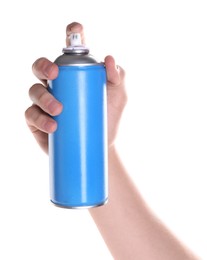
78, 148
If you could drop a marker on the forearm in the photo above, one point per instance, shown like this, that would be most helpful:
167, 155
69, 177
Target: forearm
127, 225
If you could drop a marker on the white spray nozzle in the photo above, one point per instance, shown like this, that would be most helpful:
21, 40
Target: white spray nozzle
75, 39
75, 45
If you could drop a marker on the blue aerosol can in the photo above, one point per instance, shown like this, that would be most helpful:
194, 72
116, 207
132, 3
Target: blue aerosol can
78, 148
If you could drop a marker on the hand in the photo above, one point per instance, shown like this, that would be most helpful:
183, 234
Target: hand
44, 104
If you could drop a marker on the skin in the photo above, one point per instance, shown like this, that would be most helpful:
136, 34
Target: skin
127, 225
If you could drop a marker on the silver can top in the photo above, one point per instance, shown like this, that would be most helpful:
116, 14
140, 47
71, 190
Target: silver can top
76, 53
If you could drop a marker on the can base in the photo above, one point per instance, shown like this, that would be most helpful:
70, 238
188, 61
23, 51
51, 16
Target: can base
79, 207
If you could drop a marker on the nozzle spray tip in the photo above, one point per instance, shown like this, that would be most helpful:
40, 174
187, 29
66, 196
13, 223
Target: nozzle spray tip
75, 45
75, 39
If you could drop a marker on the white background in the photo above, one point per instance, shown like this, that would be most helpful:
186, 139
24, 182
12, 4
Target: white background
162, 45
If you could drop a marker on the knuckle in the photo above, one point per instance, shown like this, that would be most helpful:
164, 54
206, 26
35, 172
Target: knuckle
32, 113
33, 89
28, 113
35, 118
39, 64
43, 97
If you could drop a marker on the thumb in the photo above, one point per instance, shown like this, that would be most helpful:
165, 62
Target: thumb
112, 70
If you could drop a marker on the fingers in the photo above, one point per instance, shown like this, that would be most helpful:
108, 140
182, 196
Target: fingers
74, 28
38, 120
43, 99
115, 74
45, 70
38, 115
40, 125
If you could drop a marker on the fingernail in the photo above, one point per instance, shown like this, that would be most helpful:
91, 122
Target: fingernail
50, 126
54, 107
